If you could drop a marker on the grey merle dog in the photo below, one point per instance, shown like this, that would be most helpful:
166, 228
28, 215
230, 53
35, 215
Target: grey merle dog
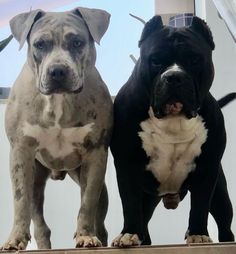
59, 121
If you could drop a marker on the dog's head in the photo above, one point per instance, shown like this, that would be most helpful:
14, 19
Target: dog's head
179, 64
60, 45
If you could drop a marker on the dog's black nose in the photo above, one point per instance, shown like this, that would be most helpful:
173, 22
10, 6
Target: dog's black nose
58, 72
176, 78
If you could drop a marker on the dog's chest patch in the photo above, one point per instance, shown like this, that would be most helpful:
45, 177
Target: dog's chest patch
172, 144
58, 142
56, 145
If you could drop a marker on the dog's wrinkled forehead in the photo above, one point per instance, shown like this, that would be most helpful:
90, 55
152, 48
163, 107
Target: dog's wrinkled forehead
184, 36
54, 25
198, 33
94, 21
173, 40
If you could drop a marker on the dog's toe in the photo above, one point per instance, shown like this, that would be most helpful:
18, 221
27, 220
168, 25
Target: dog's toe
14, 244
116, 241
198, 239
87, 241
126, 240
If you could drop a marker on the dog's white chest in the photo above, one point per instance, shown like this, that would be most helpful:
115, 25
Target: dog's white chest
55, 142
172, 144
59, 143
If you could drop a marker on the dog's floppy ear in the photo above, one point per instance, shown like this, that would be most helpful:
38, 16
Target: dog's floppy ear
198, 25
97, 21
154, 24
22, 23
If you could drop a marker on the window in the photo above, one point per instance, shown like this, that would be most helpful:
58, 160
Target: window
179, 20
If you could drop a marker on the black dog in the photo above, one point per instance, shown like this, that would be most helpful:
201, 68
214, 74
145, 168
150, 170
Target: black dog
169, 134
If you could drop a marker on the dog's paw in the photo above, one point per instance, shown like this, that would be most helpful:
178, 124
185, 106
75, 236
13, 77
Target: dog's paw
87, 241
126, 240
14, 244
198, 239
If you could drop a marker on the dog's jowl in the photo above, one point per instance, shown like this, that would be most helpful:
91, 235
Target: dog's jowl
58, 121
169, 134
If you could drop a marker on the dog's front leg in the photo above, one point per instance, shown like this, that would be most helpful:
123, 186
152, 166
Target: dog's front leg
22, 172
129, 177
92, 176
202, 189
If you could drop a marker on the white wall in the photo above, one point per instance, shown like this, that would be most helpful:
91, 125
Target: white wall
225, 81
224, 58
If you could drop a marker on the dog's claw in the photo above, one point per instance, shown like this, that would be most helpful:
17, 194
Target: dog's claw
115, 242
87, 241
126, 240
198, 239
15, 244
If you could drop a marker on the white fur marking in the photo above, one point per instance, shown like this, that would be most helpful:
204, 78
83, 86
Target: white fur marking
174, 67
58, 141
54, 104
172, 143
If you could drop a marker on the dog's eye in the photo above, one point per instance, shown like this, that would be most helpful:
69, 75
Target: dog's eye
40, 44
155, 62
76, 43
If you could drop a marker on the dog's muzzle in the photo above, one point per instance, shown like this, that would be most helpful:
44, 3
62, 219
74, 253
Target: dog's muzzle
174, 93
58, 81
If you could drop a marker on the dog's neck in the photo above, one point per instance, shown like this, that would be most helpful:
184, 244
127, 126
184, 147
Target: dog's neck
175, 128
172, 144
54, 106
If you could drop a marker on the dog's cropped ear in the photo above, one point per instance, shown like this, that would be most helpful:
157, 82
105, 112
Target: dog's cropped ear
154, 24
198, 25
97, 21
22, 23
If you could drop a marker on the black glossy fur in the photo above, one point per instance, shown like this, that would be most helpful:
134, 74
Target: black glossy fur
160, 47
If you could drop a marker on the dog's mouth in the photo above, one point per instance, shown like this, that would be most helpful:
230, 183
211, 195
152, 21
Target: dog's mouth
174, 108
60, 90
